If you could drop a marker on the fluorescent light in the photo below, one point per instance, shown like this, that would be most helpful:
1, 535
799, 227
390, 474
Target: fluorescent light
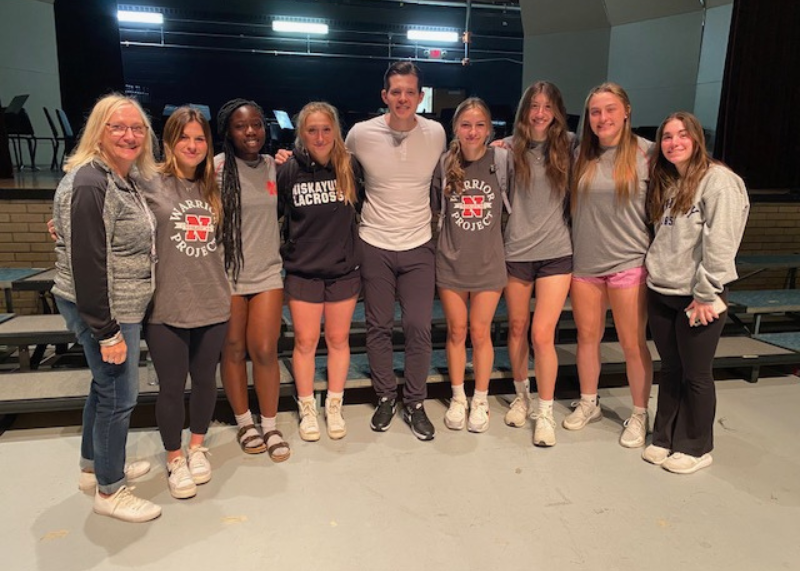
140, 17
432, 36
299, 27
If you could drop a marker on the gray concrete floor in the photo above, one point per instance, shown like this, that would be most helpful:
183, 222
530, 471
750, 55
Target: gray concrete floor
464, 501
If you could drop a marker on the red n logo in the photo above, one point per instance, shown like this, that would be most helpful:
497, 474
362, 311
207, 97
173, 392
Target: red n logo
197, 227
472, 206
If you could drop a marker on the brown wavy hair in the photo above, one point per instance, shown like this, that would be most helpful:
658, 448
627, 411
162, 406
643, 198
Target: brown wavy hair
557, 148
664, 176
340, 156
204, 172
454, 160
589, 151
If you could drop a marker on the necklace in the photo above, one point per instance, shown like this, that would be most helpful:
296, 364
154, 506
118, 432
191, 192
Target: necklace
186, 184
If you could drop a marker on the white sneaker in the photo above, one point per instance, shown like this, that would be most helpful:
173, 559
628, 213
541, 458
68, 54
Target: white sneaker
635, 431
333, 415
679, 463
655, 454
125, 506
87, 481
478, 416
544, 432
456, 416
584, 413
181, 485
518, 413
309, 425
199, 466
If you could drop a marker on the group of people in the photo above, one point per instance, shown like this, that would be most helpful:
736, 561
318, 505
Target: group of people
193, 248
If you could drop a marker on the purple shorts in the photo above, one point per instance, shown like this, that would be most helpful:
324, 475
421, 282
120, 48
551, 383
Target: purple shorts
618, 280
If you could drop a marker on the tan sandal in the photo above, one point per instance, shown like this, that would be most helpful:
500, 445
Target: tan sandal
282, 444
244, 441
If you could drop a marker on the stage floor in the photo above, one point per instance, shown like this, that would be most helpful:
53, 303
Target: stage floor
464, 501
43, 179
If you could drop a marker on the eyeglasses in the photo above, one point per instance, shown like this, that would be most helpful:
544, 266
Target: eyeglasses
119, 130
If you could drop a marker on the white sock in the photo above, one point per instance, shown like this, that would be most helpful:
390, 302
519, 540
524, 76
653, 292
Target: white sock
523, 388
545, 405
589, 398
639, 410
309, 398
458, 392
480, 396
333, 395
244, 419
268, 424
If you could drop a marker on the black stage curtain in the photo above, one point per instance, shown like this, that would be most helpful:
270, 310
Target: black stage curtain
89, 54
758, 130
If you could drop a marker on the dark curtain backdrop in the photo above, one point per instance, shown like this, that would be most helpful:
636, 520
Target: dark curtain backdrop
758, 131
89, 54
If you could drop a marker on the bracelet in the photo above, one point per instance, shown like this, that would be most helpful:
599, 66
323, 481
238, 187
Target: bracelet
111, 341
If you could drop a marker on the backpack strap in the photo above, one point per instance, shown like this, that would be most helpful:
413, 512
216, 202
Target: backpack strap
501, 172
443, 172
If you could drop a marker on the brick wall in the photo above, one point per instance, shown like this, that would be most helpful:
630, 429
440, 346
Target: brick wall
771, 229
24, 242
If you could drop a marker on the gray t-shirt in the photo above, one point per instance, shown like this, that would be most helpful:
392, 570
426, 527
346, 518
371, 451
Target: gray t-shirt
191, 287
538, 227
470, 249
609, 236
262, 266
695, 253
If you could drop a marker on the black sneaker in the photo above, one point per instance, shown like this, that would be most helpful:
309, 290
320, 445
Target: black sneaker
420, 425
383, 415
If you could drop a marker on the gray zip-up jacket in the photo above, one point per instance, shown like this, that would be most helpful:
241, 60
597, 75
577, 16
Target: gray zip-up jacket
104, 248
694, 253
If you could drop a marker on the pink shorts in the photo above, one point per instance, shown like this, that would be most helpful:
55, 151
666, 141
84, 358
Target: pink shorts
626, 278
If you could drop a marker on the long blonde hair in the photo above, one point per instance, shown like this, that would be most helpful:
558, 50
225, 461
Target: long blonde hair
589, 151
204, 172
89, 148
664, 176
454, 160
340, 156
557, 149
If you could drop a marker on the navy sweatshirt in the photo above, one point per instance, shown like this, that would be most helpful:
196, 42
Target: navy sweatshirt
320, 231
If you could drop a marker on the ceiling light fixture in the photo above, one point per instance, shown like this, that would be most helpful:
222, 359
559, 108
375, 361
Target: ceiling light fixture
447, 36
299, 27
156, 18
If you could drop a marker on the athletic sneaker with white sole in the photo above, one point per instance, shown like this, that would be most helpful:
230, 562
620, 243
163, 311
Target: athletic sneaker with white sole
544, 431
518, 413
181, 485
309, 424
655, 454
478, 416
199, 466
87, 481
635, 432
124, 506
456, 416
337, 428
679, 463
584, 413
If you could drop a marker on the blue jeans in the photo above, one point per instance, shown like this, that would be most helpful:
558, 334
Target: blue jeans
108, 408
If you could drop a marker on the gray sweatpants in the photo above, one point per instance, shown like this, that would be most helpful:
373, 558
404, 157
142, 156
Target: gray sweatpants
408, 276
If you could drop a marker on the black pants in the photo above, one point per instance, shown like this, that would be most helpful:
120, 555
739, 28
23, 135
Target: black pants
687, 400
177, 352
410, 276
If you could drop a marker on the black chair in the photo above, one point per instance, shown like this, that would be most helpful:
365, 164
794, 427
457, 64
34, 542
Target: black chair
20, 129
56, 163
66, 129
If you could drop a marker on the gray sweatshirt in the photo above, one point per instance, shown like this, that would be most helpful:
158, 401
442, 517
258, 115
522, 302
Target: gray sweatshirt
694, 253
608, 236
538, 226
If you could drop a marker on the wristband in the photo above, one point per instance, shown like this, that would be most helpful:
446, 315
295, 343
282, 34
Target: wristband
111, 341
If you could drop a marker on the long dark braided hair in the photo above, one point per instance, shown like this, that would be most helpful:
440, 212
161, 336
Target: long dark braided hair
231, 188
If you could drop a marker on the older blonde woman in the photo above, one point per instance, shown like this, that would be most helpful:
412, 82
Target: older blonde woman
104, 252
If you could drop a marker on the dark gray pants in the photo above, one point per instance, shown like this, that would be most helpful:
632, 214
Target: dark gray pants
408, 276
687, 399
